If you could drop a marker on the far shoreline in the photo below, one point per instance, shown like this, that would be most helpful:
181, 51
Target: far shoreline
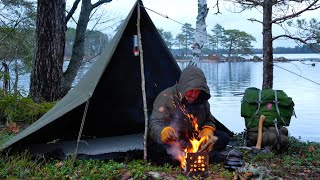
254, 58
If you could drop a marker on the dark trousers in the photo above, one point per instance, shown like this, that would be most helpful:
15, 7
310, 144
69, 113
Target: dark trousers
158, 152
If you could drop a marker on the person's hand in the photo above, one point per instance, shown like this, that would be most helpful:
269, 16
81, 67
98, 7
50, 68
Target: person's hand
207, 132
168, 134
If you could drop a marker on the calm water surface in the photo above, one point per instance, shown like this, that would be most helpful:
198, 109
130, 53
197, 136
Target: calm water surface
227, 80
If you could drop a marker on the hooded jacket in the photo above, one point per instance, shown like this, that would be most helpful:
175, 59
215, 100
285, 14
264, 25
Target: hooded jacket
170, 108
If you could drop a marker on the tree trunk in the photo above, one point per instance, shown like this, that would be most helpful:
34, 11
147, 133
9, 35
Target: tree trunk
6, 78
201, 32
230, 49
16, 79
186, 44
267, 45
78, 47
45, 80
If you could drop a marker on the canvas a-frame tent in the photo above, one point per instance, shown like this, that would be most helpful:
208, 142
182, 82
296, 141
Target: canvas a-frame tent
112, 91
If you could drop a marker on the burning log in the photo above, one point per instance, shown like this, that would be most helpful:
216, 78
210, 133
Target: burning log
210, 141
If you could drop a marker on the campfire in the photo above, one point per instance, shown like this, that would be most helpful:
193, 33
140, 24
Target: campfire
193, 159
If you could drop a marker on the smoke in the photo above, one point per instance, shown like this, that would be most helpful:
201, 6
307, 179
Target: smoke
175, 150
180, 122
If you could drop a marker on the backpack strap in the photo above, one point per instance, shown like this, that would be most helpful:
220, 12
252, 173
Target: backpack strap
278, 142
258, 109
276, 102
245, 136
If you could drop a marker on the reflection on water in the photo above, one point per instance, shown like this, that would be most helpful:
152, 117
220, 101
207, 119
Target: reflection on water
228, 80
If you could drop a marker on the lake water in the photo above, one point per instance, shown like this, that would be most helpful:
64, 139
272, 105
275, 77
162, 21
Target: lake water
227, 80
293, 56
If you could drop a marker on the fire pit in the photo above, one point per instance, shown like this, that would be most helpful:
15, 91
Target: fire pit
197, 163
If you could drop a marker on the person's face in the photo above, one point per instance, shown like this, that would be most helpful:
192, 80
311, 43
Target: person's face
192, 95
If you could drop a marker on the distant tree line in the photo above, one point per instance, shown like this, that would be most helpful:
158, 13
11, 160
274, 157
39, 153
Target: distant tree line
230, 42
298, 49
278, 50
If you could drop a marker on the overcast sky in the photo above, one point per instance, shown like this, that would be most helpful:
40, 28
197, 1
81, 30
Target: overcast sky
185, 11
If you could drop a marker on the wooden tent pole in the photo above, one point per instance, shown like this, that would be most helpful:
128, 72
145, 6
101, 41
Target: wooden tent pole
145, 108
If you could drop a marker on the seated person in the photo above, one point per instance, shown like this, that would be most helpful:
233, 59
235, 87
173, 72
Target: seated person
175, 110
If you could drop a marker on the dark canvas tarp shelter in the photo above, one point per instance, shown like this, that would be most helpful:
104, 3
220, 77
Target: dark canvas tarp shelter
112, 89
108, 98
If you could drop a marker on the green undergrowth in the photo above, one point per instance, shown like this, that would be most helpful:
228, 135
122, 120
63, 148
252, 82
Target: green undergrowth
24, 167
20, 109
300, 161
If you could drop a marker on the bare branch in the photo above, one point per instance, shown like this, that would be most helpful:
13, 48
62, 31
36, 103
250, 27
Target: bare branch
72, 10
99, 3
304, 41
255, 20
248, 2
254, 2
218, 8
308, 8
312, 46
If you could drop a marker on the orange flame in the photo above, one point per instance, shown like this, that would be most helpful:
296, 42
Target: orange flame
195, 144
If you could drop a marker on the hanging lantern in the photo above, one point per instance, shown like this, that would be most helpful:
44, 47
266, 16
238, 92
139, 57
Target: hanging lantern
135, 45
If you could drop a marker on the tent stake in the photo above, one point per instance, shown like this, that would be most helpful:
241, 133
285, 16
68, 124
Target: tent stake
145, 108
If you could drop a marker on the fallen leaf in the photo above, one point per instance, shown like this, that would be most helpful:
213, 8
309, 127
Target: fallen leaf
311, 149
303, 155
13, 127
315, 163
273, 165
307, 171
59, 164
126, 175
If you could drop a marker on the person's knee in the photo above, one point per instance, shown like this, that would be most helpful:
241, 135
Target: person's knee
223, 140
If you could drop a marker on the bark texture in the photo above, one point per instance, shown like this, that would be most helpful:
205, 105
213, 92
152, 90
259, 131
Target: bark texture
267, 45
45, 80
201, 32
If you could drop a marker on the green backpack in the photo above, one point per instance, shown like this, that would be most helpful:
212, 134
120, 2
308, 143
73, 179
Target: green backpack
275, 105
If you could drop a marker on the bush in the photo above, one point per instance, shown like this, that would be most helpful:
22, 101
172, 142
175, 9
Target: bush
16, 108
